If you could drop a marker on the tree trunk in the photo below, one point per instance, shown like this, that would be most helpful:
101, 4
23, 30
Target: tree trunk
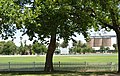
118, 44
49, 55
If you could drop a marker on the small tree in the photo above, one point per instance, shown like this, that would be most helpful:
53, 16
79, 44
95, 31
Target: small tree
1, 46
39, 48
9, 48
64, 44
102, 48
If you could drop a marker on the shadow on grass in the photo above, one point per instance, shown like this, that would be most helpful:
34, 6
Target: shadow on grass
59, 73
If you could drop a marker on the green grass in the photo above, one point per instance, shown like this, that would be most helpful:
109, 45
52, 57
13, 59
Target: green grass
90, 58
86, 59
22, 59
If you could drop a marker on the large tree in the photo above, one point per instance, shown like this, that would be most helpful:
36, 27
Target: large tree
54, 19
106, 14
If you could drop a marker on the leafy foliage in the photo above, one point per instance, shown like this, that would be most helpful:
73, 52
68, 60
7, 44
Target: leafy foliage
8, 48
9, 11
79, 47
48, 17
39, 48
64, 44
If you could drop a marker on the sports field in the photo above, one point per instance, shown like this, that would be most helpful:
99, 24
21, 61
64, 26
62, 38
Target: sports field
97, 58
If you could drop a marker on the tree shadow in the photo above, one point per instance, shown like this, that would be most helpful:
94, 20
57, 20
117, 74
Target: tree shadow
59, 73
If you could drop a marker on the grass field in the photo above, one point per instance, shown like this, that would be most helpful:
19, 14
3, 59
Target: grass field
62, 58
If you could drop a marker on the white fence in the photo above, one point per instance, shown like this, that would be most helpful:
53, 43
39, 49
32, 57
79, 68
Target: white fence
68, 66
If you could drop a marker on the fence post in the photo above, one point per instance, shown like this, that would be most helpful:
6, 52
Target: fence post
59, 65
9, 66
34, 65
85, 66
110, 66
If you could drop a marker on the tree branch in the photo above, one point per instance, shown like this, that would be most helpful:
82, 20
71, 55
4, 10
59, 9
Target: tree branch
93, 14
106, 24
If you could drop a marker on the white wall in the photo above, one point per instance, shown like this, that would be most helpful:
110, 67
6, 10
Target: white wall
64, 51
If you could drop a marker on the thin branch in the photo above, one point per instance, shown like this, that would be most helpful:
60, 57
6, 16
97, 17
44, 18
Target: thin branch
107, 25
103, 22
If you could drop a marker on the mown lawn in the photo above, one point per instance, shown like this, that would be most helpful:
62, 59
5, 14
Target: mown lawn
90, 58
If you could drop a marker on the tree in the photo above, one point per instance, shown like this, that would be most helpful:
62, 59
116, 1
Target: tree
105, 15
57, 45
54, 19
107, 48
64, 44
39, 48
77, 43
9, 48
30, 49
74, 43
80, 47
1, 46
102, 48
21, 48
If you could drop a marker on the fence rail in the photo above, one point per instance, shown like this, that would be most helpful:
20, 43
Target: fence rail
59, 66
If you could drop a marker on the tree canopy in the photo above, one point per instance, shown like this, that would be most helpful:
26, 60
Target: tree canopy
8, 12
106, 14
56, 19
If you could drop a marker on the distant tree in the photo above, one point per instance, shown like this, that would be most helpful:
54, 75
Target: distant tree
64, 44
102, 48
29, 47
107, 48
1, 46
74, 43
39, 48
9, 48
57, 44
84, 45
115, 47
36, 48
21, 49
80, 47
73, 50
43, 49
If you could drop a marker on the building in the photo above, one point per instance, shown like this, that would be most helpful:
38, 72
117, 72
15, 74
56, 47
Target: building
97, 41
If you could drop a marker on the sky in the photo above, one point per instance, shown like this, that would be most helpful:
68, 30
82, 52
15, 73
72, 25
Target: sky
79, 37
